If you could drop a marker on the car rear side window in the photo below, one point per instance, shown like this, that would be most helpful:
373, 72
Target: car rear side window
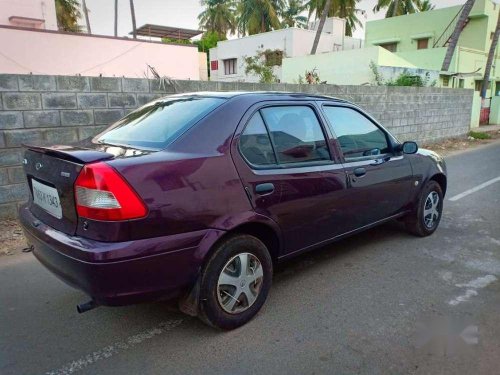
357, 135
157, 124
255, 144
296, 134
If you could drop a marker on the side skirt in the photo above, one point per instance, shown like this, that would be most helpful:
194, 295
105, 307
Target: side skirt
341, 236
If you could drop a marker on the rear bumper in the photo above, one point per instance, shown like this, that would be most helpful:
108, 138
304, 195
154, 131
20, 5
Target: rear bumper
120, 273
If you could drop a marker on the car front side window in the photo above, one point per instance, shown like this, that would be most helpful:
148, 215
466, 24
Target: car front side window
358, 137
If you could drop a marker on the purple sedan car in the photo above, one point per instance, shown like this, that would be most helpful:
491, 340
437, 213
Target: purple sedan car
196, 197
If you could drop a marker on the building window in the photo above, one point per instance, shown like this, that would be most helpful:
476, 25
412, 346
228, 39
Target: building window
461, 83
391, 47
492, 35
477, 85
423, 43
446, 81
214, 65
229, 66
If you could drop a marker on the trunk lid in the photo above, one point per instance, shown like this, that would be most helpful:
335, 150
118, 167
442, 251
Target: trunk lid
51, 173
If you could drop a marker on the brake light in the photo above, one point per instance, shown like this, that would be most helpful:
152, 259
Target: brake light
101, 193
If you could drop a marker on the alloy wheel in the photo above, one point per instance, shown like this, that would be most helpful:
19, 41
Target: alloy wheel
240, 283
431, 209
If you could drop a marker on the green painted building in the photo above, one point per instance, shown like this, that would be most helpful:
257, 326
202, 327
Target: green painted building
421, 40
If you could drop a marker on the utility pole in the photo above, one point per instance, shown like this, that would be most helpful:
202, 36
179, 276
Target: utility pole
116, 18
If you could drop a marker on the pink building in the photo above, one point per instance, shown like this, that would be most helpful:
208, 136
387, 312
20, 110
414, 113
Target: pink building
31, 43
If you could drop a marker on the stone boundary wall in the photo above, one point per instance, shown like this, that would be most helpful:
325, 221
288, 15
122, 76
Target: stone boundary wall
63, 109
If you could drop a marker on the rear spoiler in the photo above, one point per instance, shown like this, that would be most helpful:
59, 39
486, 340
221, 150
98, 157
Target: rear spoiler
72, 153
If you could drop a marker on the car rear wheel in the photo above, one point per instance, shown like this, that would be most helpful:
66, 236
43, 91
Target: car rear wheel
427, 215
235, 282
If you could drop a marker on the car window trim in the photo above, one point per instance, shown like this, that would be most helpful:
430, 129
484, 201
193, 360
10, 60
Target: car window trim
360, 158
281, 166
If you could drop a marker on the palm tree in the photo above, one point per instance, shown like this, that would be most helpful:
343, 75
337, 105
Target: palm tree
291, 15
116, 18
338, 8
320, 26
491, 56
68, 13
425, 5
219, 17
462, 19
86, 14
132, 13
259, 16
397, 7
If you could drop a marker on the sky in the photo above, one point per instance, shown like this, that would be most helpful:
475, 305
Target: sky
183, 13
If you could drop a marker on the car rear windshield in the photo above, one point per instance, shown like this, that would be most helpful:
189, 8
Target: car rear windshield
156, 125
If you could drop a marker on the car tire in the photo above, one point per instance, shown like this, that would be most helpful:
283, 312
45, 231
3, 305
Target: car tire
231, 305
425, 218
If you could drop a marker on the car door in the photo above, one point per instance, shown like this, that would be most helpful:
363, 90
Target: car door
282, 153
379, 180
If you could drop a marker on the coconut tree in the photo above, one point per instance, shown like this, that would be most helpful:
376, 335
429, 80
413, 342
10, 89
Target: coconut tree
424, 5
86, 15
292, 16
462, 19
397, 7
116, 18
132, 14
491, 56
322, 20
218, 17
259, 16
338, 8
68, 14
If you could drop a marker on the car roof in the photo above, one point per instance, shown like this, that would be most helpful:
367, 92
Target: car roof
260, 95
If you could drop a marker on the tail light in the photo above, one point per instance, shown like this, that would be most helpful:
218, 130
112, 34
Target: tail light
101, 193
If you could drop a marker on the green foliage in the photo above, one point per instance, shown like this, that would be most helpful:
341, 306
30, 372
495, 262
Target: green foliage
425, 5
479, 135
379, 80
403, 7
219, 17
68, 13
208, 40
259, 16
176, 41
339, 8
404, 79
260, 67
291, 15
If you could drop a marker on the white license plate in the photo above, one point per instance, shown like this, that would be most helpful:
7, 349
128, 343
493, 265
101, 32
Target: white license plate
47, 198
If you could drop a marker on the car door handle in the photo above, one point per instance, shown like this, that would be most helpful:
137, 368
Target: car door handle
266, 188
383, 160
358, 172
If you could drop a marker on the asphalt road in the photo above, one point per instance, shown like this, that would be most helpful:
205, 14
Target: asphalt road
380, 302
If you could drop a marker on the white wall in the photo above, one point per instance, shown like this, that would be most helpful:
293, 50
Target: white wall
294, 42
39, 9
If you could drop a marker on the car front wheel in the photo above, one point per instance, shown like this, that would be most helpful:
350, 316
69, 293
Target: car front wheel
427, 215
235, 282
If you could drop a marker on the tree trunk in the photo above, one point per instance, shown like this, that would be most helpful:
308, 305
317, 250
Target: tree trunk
456, 34
86, 15
395, 9
489, 62
132, 13
116, 18
320, 26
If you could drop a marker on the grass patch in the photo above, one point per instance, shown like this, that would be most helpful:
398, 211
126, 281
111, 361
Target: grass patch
479, 135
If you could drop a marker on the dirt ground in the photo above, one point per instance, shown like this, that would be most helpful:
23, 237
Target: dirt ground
12, 239
453, 145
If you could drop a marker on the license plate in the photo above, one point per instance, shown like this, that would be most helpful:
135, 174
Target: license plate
47, 198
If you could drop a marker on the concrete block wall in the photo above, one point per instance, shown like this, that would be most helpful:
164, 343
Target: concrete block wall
65, 109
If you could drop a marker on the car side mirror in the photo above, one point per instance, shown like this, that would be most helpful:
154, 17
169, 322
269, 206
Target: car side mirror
409, 147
